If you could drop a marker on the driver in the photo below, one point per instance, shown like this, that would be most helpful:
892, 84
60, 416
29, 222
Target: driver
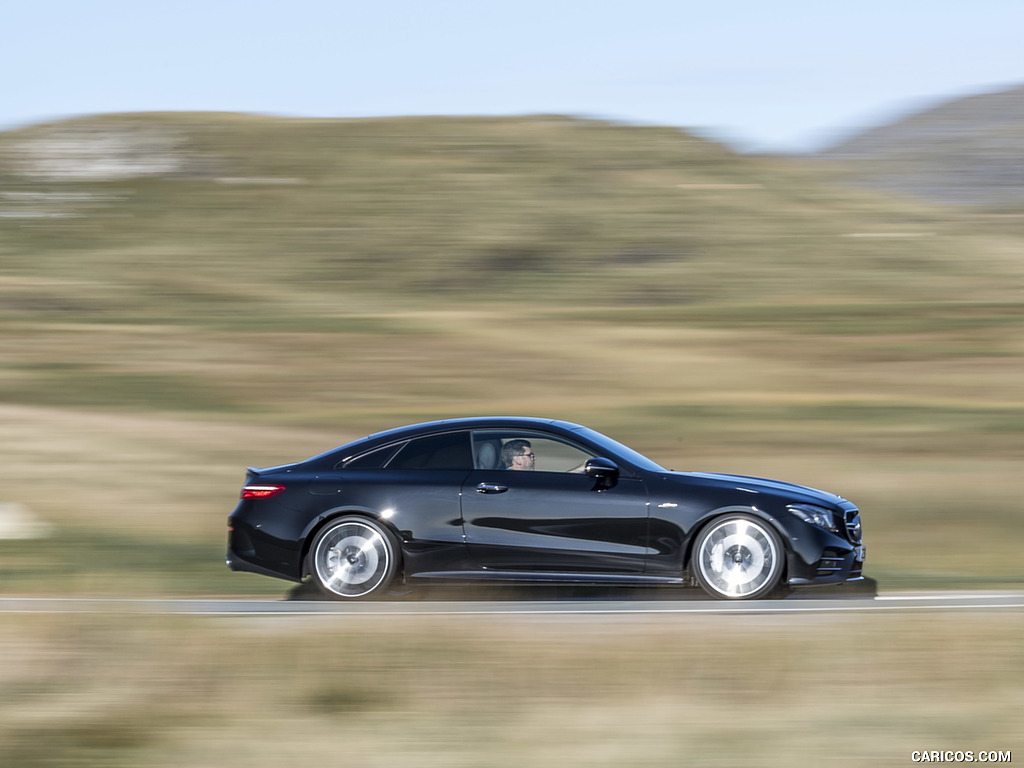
518, 454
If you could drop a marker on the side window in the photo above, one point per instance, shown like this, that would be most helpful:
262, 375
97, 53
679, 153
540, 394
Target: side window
493, 450
449, 451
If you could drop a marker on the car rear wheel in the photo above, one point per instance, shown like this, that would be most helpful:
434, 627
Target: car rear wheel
738, 557
353, 557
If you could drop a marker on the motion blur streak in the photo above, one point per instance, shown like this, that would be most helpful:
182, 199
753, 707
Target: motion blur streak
184, 295
539, 691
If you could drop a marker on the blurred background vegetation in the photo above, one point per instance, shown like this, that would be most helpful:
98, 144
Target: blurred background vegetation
505, 692
183, 295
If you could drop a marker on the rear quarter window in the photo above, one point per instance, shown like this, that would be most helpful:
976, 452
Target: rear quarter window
448, 451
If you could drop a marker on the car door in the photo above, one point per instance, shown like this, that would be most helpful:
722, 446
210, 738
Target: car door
553, 518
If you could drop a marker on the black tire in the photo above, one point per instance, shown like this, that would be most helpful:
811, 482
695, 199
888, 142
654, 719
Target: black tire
353, 557
738, 557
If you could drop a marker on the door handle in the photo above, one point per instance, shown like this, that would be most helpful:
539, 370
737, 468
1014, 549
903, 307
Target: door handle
491, 488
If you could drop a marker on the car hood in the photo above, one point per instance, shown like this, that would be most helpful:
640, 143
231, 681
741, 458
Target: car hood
764, 485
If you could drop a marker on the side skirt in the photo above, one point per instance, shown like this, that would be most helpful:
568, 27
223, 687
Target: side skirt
548, 577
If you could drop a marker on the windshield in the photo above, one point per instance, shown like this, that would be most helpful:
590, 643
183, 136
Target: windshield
618, 449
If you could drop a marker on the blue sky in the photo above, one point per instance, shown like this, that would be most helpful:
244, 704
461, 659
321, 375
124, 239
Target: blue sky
772, 75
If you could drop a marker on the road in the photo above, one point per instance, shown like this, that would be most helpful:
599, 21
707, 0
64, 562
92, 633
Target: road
887, 602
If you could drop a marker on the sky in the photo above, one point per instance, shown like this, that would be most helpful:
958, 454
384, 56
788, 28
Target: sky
772, 75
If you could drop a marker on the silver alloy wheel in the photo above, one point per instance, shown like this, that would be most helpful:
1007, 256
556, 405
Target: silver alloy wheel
352, 558
738, 557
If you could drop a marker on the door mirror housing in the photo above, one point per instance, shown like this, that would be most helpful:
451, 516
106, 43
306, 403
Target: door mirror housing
604, 471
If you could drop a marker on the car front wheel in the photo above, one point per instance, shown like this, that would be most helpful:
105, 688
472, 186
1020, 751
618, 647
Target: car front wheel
738, 557
353, 557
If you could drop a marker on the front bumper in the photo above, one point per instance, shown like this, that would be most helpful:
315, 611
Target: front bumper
835, 566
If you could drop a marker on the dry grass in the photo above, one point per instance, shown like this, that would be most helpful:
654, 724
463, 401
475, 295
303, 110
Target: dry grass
928, 445
480, 691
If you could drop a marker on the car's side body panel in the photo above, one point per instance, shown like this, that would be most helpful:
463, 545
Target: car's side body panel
545, 521
422, 507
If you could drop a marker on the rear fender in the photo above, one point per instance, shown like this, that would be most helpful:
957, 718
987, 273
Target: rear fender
317, 524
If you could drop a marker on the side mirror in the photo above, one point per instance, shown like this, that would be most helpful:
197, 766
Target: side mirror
604, 471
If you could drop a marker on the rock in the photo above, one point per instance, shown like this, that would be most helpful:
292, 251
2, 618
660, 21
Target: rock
18, 522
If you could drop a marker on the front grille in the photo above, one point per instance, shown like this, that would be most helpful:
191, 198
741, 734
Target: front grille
853, 529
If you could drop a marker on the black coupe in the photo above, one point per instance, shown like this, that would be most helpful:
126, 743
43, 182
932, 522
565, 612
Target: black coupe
532, 500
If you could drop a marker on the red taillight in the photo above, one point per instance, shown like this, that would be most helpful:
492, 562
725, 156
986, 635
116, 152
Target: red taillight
261, 491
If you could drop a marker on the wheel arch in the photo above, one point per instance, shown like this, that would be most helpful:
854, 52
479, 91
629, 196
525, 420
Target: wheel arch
326, 518
714, 515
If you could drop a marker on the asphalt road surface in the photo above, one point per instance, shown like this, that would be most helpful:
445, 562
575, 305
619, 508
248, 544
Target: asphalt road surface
956, 601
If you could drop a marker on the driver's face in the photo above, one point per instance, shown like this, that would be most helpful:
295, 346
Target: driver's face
525, 460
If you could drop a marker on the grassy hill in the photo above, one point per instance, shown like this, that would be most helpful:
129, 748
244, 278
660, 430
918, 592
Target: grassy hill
544, 208
968, 150
184, 295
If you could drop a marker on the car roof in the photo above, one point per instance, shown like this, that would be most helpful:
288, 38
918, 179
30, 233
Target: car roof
473, 422
378, 439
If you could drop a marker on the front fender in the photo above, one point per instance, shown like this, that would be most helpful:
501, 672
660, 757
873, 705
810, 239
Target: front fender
715, 514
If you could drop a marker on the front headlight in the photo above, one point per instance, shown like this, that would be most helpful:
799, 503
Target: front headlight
815, 516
